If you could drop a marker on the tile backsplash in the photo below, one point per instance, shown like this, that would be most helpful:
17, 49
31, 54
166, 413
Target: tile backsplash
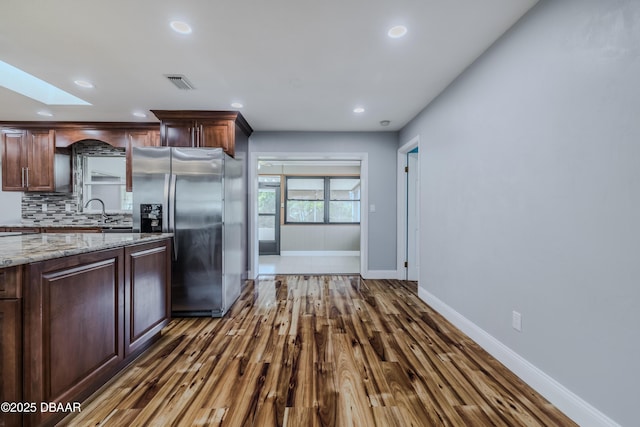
62, 208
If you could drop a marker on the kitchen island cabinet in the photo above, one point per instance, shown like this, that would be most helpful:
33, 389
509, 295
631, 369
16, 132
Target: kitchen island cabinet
10, 341
89, 304
147, 294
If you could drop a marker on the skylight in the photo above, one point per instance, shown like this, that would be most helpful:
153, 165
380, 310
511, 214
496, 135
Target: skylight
25, 84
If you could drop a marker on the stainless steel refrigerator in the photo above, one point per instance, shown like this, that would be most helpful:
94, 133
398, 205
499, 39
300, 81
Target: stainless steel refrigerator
196, 194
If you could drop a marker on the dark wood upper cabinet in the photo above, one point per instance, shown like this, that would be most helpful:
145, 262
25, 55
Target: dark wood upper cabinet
116, 134
14, 159
195, 128
28, 148
27, 159
41, 150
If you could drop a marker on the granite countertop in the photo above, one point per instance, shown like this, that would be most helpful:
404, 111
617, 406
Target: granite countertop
27, 248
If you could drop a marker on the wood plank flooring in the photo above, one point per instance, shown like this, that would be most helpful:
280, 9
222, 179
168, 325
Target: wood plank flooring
318, 351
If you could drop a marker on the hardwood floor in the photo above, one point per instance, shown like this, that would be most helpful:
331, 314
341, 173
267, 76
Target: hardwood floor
318, 351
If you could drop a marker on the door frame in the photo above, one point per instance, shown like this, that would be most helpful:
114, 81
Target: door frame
255, 157
402, 203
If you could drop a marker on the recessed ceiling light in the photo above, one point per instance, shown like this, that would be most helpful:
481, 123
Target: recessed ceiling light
180, 27
139, 114
25, 84
45, 113
397, 31
385, 122
83, 83
237, 105
358, 110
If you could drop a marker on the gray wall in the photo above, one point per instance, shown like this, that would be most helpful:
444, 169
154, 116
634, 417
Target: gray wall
381, 148
531, 199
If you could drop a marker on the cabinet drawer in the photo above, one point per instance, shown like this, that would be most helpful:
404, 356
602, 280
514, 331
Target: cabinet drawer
11, 282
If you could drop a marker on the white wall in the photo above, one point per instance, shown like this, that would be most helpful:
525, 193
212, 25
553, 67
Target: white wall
530, 184
11, 202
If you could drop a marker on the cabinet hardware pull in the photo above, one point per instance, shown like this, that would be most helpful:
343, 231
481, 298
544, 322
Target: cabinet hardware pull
27, 169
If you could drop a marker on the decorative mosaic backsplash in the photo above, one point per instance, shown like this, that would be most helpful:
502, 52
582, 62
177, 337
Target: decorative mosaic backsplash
63, 208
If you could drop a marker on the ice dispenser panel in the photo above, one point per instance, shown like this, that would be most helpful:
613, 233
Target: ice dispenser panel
151, 218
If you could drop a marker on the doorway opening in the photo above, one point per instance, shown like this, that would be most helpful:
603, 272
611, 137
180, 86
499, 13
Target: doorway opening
307, 214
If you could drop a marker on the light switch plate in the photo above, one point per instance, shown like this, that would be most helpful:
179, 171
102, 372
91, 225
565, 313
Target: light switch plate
516, 321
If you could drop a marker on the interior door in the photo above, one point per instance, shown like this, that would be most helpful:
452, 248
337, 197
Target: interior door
269, 218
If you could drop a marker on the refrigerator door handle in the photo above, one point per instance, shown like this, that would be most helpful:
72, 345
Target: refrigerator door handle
166, 203
172, 214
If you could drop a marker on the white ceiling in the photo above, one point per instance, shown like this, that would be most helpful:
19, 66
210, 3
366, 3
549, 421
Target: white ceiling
294, 64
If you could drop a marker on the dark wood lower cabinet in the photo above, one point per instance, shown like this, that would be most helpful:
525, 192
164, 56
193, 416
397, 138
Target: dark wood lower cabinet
147, 296
74, 327
84, 317
10, 358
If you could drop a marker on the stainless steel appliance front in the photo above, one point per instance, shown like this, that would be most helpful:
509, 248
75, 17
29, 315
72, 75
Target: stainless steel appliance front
190, 185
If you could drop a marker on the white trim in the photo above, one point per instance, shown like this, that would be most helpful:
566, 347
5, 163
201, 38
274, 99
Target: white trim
254, 157
319, 253
381, 274
564, 399
402, 205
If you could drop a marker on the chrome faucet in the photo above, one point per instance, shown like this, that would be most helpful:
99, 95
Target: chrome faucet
105, 217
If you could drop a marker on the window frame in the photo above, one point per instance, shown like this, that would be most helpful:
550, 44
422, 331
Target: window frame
326, 200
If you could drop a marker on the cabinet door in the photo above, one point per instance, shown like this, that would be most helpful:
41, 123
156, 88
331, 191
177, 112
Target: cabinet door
14, 161
73, 322
147, 293
40, 155
139, 139
179, 133
10, 358
216, 134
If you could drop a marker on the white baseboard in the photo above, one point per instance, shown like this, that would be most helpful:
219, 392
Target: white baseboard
319, 253
381, 274
564, 399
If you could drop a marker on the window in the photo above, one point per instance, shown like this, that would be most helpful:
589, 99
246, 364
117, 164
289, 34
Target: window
322, 200
305, 200
104, 178
344, 200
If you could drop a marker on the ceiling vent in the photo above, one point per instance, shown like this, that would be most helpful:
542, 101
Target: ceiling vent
179, 81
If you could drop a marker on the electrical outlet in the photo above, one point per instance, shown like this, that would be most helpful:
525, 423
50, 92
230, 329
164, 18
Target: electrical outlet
44, 207
67, 207
516, 321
